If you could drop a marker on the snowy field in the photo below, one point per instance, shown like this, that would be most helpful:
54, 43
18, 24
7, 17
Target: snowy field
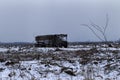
73, 63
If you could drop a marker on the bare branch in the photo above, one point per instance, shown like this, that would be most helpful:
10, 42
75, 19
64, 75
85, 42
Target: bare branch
96, 26
106, 24
93, 31
101, 29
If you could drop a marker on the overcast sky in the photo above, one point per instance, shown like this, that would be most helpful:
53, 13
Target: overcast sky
22, 20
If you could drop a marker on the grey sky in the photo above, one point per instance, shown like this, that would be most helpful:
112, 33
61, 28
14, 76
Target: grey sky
22, 20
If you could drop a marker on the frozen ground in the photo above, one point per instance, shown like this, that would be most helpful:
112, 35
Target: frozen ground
73, 63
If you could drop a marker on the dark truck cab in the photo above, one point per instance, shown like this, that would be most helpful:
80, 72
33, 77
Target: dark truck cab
56, 40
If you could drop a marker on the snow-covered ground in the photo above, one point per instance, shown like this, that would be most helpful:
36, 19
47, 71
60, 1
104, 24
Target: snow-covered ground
3, 49
47, 49
34, 70
73, 63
